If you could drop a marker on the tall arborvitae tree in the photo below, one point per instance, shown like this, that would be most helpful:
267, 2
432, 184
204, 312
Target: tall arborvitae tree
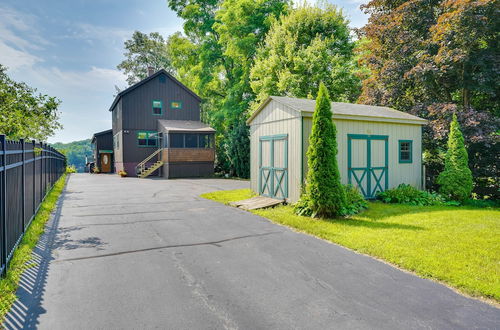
324, 192
456, 179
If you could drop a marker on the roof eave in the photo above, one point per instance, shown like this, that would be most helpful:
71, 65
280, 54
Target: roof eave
259, 109
372, 118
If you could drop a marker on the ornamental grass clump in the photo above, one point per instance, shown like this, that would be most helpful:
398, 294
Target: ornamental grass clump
324, 195
456, 179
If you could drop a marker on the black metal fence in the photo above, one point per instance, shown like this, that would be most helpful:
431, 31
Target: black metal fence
27, 172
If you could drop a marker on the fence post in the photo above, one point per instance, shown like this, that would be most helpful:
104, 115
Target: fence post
23, 188
3, 206
41, 172
34, 178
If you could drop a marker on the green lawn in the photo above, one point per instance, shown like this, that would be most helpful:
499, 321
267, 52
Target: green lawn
457, 245
22, 256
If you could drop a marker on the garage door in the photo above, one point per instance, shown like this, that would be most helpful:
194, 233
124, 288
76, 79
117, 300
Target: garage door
368, 163
273, 166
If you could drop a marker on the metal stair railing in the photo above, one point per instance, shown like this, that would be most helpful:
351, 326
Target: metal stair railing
141, 167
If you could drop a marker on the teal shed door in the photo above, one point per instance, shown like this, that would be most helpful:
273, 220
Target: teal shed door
368, 163
273, 166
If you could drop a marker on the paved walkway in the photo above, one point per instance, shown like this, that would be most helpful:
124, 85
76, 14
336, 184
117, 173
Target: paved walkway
142, 254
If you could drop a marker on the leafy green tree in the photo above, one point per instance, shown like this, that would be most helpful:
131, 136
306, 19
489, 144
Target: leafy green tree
325, 194
238, 145
434, 58
309, 45
224, 36
143, 51
456, 179
24, 113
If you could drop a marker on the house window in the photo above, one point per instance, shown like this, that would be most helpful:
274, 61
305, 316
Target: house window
405, 151
191, 140
176, 140
176, 105
206, 141
147, 139
157, 107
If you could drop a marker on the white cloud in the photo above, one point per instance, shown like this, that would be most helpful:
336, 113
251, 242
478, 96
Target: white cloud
18, 38
15, 59
93, 79
96, 32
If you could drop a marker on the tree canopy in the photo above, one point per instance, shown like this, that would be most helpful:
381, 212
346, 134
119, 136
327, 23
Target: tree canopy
143, 51
24, 113
435, 58
75, 152
301, 49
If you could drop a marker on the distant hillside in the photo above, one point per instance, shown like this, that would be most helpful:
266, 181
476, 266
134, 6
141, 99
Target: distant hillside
75, 152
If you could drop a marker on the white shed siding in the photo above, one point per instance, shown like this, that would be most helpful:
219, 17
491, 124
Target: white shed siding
409, 173
275, 119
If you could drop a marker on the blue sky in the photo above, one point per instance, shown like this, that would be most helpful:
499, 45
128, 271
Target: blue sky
70, 49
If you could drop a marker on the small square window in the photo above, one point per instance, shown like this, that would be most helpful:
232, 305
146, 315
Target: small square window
405, 151
177, 140
176, 105
157, 107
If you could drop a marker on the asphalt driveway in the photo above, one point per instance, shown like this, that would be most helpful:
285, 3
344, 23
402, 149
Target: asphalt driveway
142, 254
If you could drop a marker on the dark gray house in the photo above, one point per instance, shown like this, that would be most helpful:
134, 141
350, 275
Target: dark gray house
157, 130
102, 147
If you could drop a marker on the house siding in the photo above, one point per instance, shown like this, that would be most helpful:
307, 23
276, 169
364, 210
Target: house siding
137, 104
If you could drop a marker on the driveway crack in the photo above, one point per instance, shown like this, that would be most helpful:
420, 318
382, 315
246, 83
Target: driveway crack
213, 243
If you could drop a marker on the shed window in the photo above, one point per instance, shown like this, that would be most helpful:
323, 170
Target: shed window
147, 139
157, 107
405, 151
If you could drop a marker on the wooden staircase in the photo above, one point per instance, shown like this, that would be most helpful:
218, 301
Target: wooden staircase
149, 170
144, 171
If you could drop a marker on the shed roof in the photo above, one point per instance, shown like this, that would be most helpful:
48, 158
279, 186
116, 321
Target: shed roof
340, 110
185, 126
145, 80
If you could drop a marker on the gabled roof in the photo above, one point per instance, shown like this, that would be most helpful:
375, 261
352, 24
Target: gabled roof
185, 126
341, 110
145, 80
108, 131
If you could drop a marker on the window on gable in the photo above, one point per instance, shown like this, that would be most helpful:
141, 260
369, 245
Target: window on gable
147, 139
405, 151
176, 105
157, 107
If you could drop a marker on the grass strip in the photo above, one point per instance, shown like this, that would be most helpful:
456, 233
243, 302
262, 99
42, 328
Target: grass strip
459, 246
23, 254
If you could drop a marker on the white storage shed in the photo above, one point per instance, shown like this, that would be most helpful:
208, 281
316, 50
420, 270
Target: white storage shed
378, 147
